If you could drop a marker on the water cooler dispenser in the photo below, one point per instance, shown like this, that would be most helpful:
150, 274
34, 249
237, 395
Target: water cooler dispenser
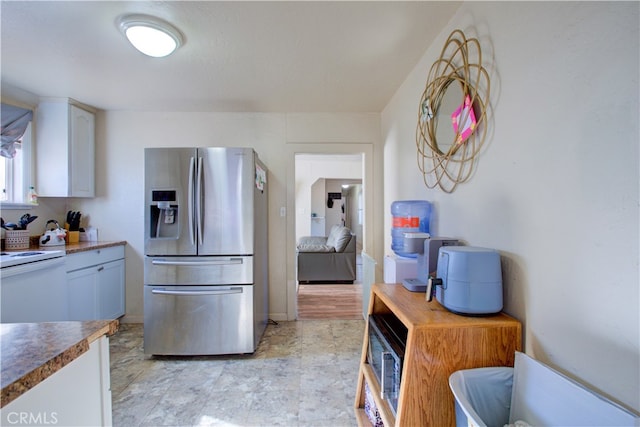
164, 211
408, 216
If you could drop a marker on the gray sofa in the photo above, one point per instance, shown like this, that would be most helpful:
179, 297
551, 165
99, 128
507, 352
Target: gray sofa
330, 259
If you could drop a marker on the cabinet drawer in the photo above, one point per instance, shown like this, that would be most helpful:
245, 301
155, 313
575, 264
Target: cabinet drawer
97, 256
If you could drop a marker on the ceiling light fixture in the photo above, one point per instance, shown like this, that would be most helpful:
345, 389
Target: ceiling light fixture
151, 36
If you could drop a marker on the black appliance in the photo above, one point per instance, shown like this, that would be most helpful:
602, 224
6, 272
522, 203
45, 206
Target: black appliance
387, 343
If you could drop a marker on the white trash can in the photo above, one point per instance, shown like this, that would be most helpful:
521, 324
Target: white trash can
533, 394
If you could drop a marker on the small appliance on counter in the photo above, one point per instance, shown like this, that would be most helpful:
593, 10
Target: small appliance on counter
53, 235
468, 280
387, 345
89, 234
427, 249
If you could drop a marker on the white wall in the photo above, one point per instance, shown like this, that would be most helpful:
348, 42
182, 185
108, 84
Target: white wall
355, 212
556, 186
311, 168
318, 220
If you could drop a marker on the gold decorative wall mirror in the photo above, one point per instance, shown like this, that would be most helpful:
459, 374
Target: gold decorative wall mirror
452, 114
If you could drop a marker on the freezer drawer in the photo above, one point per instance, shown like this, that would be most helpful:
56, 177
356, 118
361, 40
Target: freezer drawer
198, 320
218, 270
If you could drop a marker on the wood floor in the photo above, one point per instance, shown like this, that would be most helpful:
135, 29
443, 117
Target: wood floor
330, 302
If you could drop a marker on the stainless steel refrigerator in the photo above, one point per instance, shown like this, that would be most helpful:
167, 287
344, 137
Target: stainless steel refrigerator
206, 264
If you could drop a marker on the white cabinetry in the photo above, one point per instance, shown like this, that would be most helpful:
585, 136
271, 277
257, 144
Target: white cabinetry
65, 149
95, 284
79, 394
33, 292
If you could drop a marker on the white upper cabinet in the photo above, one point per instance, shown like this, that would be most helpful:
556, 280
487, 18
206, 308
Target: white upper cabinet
65, 135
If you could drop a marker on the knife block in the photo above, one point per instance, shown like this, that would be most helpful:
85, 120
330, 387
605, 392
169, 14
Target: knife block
72, 236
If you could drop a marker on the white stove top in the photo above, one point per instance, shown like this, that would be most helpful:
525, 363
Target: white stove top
9, 259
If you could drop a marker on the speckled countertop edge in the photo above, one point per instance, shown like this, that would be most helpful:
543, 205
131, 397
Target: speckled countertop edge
73, 248
69, 248
32, 352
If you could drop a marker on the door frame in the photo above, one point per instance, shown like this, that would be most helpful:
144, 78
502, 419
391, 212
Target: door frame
366, 149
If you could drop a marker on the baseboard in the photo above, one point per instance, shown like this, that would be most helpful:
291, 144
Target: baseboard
132, 319
278, 317
326, 282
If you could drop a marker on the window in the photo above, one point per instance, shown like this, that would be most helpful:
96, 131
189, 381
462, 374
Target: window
15, 174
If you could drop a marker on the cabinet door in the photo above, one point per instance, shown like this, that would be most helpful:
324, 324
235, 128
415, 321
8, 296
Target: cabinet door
110, 290
82, 294
34, 292
82, 162
66, 147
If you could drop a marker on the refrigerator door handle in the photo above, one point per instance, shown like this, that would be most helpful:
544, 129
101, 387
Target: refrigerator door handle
199, 215
231, 261
192, 165
225, 291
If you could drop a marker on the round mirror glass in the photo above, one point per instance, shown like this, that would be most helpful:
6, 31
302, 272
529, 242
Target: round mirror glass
450, 100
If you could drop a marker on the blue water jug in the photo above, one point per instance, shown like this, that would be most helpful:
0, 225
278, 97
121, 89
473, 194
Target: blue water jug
408, 216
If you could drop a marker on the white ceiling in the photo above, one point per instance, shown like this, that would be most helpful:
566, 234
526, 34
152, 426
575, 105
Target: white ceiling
238, 57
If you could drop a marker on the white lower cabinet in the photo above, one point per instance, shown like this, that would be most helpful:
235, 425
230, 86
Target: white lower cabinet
95, 284
110, 290
34, 292
79, 394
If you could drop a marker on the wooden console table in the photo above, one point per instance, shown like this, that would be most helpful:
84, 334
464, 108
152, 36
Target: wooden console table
438, 343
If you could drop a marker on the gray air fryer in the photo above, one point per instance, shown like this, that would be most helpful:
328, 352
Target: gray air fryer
468, 280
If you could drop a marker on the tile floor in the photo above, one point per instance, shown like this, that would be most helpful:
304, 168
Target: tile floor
303, 373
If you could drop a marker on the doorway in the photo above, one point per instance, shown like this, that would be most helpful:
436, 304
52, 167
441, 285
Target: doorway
321, 179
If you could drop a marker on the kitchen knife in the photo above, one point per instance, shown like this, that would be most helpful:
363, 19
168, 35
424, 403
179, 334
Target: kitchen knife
74, 225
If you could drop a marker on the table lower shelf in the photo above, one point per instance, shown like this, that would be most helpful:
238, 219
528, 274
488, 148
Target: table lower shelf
361, 417
384, 410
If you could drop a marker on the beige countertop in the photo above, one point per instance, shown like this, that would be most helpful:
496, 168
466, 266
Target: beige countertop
31, 352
